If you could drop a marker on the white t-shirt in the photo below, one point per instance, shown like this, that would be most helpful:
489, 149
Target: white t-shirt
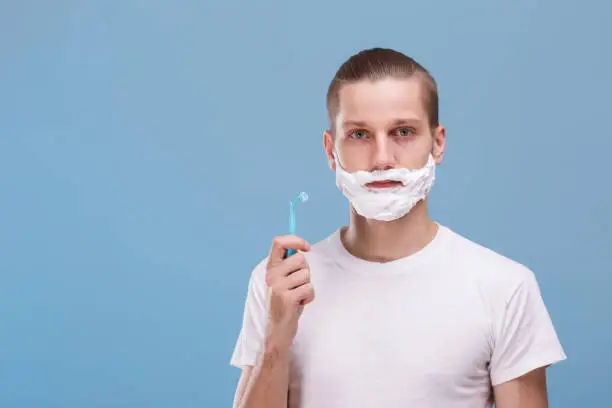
435, 329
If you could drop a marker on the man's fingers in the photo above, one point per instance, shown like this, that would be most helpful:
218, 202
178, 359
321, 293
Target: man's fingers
303, 294
286, 267
281, 243
298, 278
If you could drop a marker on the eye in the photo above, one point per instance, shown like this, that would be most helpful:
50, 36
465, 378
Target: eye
404, 132
358, 134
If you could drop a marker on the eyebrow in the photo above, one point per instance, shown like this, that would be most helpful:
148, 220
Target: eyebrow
404, 121
399, 121
357, 123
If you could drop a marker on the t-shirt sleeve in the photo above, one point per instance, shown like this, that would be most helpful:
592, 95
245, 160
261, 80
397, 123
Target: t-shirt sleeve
525, 338
251, 335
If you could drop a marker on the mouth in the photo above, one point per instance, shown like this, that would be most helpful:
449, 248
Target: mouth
384, 184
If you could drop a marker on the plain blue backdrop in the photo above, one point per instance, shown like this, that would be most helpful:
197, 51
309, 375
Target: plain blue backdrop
148, 150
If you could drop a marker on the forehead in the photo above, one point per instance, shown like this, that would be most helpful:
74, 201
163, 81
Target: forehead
381, 100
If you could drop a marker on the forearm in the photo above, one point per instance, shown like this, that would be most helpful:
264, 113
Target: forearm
527, 391
269, 384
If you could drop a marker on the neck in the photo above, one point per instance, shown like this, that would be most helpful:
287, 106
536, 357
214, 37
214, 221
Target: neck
384, 241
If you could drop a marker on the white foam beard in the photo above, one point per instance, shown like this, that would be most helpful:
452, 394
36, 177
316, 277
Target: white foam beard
386, 204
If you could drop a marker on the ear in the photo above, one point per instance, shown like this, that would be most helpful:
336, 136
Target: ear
328, 145
439, 143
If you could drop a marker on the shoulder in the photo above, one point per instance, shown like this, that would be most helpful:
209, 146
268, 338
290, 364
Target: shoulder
490, 269
324, 250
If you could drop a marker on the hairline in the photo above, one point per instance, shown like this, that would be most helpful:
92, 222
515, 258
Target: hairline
427, 87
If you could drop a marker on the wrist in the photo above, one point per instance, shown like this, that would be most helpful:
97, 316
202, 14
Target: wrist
275, 348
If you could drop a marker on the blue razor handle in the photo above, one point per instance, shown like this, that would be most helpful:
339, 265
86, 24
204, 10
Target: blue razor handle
302, 197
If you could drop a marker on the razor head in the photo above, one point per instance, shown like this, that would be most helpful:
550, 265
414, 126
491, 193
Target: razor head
303, 197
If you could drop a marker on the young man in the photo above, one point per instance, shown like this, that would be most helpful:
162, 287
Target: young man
395, 310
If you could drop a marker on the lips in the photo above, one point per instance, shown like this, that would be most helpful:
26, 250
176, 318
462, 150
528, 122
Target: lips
384, 184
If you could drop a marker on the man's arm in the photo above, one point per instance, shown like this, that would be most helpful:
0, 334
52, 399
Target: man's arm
526, 391
265, 385
525, 345
243, 382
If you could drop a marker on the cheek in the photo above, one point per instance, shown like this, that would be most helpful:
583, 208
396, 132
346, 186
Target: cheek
415, 153
352, 156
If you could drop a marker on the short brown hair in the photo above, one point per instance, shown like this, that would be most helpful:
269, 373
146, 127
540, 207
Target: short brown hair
379, 63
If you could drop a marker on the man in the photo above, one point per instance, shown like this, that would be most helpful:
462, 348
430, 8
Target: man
394, 310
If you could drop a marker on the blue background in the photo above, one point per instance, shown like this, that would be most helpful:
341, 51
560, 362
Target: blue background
148, 150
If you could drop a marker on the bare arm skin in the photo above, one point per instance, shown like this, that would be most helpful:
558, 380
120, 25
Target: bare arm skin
527, 391
288, 280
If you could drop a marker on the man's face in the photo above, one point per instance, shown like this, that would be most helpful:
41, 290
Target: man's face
382, 125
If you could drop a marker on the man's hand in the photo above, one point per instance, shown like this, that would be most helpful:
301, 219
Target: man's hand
288, 280
289, 288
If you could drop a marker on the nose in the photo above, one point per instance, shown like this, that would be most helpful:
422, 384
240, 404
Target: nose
383, 155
